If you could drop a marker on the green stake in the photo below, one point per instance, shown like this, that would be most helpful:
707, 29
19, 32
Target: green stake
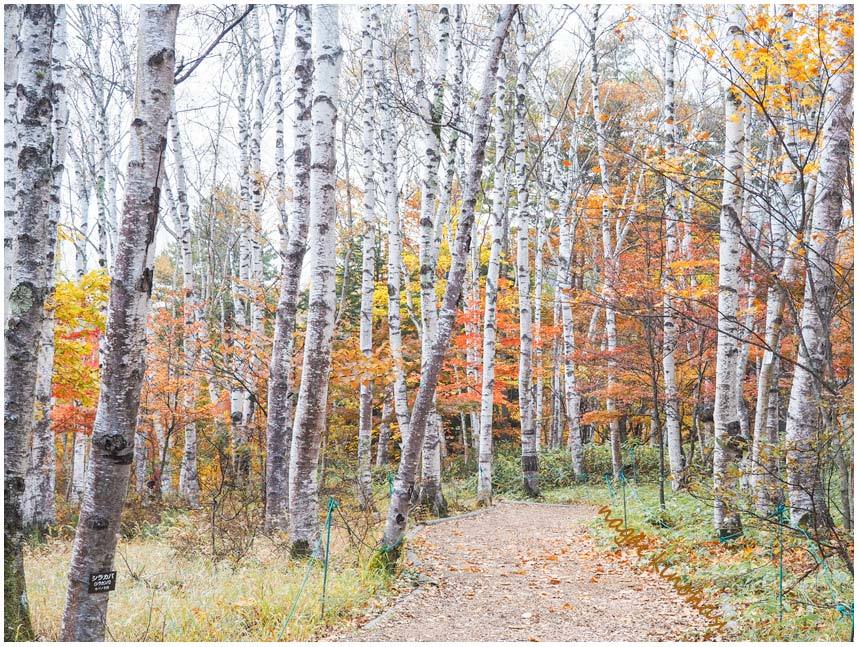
332, 503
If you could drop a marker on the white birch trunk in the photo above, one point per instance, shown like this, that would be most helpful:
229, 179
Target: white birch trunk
572, 399
84, 617
79, 458
609, 269
523, 275
726, 425
763, 459
11, 30
39, 488
280, 413
189, 485
431, 112
404, 483
140, 459
805, 447
33, 258
388, 164
312, 407
368, 266
669, 280
538, 338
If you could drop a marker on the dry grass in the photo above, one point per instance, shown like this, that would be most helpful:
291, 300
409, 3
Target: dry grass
165, 593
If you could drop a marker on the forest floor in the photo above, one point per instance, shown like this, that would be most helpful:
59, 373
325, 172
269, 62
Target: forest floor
548, 570
520, 571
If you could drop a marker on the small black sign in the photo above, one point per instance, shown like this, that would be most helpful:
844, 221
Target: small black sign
102, 582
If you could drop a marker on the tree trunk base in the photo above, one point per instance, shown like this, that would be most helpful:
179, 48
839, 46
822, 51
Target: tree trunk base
531, 484
432, 498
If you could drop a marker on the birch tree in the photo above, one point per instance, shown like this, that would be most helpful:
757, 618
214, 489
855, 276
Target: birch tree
280, 414
189, 486
669, 281
499, 198
11, 30
808, 499
607, 246
523, 274
84, 617
403, 488
726, 425
40, 484
368, 264
33, 258
388, 168
312, 406
431, 107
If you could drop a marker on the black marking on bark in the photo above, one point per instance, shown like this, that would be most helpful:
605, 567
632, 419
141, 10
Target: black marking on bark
158, 57
145, 284
137, 122
99, 523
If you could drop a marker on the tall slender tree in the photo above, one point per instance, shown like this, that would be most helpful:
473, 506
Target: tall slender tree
490, 312
40, 485
280, 413
312, 407
368, 262
85, 614
726, 425
523, 272
803, 435
34, 234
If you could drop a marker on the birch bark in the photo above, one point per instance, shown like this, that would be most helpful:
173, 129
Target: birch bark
311, 410
431, 107
33, 258
280, 414
85, 613
368, 265
608, 249
487, 390
39, 487
783, 267
530, 468
572, 399
189, 486
11, 30
669, 280
388, 164
726, 425
805, 448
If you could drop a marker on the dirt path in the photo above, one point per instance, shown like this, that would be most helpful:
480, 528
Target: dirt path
528, 572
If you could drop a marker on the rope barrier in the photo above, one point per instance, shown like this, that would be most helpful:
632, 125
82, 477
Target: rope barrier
310, 564
332, 505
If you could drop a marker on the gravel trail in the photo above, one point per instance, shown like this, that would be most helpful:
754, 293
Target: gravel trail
528, 572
